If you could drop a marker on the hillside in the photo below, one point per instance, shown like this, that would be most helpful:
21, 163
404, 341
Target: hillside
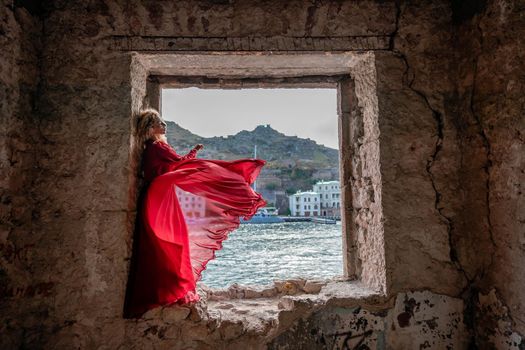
293, 163
278, 149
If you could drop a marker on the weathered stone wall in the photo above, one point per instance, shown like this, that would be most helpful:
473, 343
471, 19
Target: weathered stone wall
20, 42
450, 109
78, 191
492, 123
85, 109
419, 156
417, 320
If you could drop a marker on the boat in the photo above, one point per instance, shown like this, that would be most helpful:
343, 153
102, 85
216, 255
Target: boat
266, 215
320, 220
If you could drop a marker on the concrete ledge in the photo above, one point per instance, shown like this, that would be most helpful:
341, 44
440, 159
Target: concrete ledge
248, 43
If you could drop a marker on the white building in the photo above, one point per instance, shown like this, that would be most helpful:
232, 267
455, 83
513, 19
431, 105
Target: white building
192, 206
330, 195
305, 204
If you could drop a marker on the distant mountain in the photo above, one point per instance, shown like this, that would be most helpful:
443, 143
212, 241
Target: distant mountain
178, 136
275, 147
293, 163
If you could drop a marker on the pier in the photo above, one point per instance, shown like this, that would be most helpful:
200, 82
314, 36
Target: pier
296, 218
306, 218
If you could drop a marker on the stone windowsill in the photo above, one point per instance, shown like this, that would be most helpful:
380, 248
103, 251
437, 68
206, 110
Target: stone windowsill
265, 310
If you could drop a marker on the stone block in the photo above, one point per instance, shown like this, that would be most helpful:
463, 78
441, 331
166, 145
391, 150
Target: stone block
313, 287
198, 312
290, 287
175, 313
153, 314
231, 330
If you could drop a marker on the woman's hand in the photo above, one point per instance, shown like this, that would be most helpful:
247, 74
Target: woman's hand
198, 147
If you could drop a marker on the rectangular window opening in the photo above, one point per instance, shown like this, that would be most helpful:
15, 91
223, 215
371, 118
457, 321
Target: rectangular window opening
296, 131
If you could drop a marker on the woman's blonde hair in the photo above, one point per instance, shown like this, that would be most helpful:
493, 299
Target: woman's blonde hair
143, 131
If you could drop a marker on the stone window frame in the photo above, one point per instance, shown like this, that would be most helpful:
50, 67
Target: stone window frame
354, 76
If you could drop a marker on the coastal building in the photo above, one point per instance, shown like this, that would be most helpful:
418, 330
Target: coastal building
305, 204
192, 206
330, 198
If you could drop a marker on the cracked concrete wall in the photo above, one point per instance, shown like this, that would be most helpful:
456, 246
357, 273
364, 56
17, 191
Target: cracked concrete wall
415, 229
491, 121
419, 157
450, 168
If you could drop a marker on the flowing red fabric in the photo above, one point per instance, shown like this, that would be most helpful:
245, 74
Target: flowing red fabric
174, 241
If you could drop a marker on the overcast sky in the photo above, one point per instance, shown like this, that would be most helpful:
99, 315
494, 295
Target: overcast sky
306, 113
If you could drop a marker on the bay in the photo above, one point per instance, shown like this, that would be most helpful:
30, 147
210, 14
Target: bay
258, 254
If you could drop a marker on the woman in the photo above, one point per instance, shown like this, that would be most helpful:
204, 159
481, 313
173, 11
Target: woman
171, 249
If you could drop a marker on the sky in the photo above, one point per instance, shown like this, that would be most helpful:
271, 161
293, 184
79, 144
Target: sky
306, 113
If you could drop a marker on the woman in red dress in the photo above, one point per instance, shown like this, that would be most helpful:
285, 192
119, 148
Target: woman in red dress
172, 246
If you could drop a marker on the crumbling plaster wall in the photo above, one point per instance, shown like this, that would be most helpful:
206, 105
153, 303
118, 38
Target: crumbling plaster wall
442, 203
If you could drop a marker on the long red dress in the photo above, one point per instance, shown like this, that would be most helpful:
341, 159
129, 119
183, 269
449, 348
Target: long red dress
173, 246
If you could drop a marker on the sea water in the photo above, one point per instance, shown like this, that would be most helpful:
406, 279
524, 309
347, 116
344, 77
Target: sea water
258, 254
